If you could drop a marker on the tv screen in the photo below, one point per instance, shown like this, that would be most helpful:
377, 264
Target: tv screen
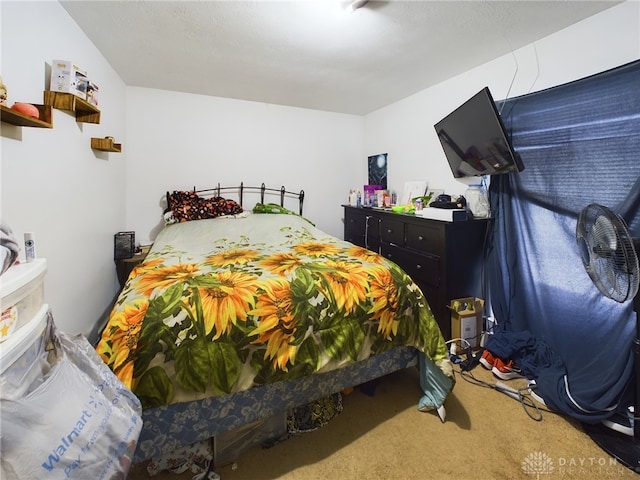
474, 139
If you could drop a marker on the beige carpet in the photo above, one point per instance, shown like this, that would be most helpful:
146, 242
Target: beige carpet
487, 435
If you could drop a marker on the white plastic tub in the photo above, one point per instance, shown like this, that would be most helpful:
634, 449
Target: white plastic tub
21, 295
23, 356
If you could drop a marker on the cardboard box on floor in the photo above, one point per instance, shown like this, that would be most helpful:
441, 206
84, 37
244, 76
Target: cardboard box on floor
466, 320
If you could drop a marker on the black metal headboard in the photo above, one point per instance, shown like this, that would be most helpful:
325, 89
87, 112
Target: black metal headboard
241, 189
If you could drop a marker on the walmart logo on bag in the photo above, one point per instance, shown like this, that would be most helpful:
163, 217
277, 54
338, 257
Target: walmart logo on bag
66, 442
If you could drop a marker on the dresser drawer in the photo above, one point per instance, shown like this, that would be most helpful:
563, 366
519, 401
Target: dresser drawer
392, 231
421, 267
373, 244
372, 227
354, 228
426, 238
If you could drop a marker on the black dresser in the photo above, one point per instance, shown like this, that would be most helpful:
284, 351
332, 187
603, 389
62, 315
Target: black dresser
445, 259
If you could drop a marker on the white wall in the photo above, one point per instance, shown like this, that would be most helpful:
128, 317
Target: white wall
75, 199
405, 129
52, 182
178, 141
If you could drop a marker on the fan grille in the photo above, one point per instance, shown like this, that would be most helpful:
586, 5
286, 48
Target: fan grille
607, 252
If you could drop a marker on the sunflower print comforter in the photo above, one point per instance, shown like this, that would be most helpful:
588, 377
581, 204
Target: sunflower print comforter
223, 305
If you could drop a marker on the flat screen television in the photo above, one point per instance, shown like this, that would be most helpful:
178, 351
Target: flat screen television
475, 141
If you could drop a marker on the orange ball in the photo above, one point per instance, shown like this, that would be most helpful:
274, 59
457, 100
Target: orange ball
26, 109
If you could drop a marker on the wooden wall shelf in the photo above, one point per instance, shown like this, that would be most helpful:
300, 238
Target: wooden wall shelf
106, 145
17, 118
85, 112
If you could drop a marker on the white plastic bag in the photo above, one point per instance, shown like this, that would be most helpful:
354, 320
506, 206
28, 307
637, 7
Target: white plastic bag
79, 422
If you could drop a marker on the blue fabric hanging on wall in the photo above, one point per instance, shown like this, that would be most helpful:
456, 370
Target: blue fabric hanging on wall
580, 144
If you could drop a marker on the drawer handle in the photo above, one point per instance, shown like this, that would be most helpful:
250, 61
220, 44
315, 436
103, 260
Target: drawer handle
420, 237
389, 230
418, 267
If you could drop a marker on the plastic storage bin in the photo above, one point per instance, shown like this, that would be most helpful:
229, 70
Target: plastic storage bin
21, 295
23, 358
232, 444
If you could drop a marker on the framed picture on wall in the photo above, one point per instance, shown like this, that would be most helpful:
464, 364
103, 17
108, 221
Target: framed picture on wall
378, 170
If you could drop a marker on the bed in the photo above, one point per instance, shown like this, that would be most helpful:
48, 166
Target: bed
240, 313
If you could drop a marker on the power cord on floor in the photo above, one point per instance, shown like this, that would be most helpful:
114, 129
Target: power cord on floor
522, 395
468, 360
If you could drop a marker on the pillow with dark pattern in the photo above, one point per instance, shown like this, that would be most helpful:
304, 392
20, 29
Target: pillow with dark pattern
188, 206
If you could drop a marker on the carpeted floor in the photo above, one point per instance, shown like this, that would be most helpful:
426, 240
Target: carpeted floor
487, 435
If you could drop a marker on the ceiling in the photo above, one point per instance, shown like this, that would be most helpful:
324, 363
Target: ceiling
313, 53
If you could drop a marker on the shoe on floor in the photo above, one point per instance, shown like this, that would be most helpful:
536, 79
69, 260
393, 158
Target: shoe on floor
506, 371
487, 360
535, 394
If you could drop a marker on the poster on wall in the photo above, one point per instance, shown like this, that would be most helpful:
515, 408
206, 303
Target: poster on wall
378, 170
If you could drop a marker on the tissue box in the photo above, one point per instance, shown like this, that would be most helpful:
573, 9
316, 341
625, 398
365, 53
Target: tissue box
68, 78
466, 320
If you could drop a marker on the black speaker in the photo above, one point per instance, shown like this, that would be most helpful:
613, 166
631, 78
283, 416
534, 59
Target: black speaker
124, 245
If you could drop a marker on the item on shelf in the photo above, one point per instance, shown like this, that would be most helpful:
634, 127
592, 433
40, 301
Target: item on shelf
3, 93
478, 201
14, 117
353, 197
443, 214
92, 93
370, 194
412, 190
26, 109
69, 78
449, 202
402, 208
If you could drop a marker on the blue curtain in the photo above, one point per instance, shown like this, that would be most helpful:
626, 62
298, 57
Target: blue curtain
580, 144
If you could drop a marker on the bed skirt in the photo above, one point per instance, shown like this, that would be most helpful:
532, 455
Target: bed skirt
170, 427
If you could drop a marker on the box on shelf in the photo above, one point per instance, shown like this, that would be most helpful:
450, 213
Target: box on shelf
466, 320
68, 78
92, 93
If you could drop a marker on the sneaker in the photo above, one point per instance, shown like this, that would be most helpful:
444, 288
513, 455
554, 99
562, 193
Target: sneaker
487, 360
533, 391
506, 371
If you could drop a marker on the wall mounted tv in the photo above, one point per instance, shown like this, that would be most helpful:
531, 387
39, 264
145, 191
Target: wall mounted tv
475, 141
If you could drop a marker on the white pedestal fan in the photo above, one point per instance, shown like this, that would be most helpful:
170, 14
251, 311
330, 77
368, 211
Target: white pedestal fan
610, 257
